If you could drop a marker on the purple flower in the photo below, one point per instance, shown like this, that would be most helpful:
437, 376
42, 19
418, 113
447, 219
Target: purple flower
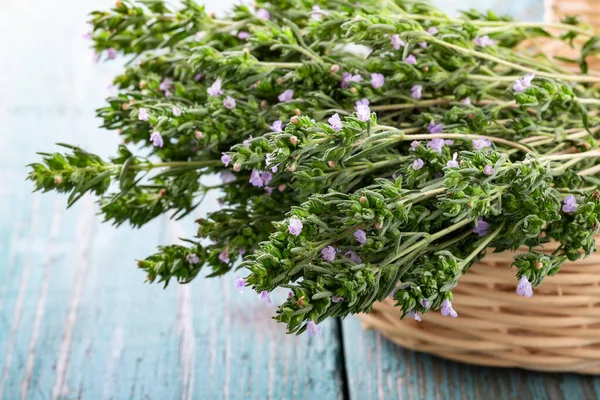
414, 144
336, 299
436, 144
229, 103
264, 295
277, 126
453, 163
198, 76
240, 284
484, 41
361, 236
242, 252
435, 128
87, 36
418, 164
363, 112
225, 159
397, 42
111, 53
224, 256
199, 36
176, 111
317, 14
413, 314
424, 303
466, 100
286, 96
156, 139
352, 256
488, 170
312, 329
523, 83
215, 89
335, 123
268, 160
266, 177
362, 102
255, 179
423, 44
328, 253
524, 287
348, 77
449, 142
295, 226
415, 92
192, 258
166, 84
263, 14
377, 80
227, 176
447, 309
481, 143
569, 204
411, 59
481, 228
243, 35
432, 30
143, 115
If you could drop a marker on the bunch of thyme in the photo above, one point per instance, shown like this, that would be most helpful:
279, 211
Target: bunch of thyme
366, 150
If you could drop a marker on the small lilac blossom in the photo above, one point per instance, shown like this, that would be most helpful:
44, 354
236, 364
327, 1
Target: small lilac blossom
377, 80
363, 112
224, 256
156, 139
266, 177
199, 36
453, 163
335, 123
176, 111
295, 226
225, 159
255, 179
111, 53
447, 309
328, 253
449, 142
264, 295
240, 284
524, 287
317, 14
484, 41
268, 161
413, 314
413, 145
227, 176
435, 128
481, 143
523, 83
192, 258
488, 170
243, 35
432, 30
242, 252
466, 100
425, 303
362, 102
397, 42
277, 126
418, 164
352, 256
263, 14
360, 236
416, 91
481, 228
411, 59
286, 96
312, 329
348, 77
569, 204
436, 144
143, 115
198, 76
336, 299
229, 103
215, 89
423, 44
87, 36
166, 84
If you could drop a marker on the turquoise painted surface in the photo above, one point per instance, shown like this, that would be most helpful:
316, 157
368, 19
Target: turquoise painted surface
76, 320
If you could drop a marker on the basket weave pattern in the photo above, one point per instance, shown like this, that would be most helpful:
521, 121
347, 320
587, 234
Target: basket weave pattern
558, 329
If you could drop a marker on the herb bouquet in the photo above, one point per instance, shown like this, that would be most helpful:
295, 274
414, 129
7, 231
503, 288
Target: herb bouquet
370, 153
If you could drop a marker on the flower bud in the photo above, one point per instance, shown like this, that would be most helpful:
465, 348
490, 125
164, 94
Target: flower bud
237, 167
297, 111
162, 192
294, 120
379, 225
199, 135
280, 81
125, 106
138, 263
58, 180
281, 187
425, 68
294, 140
353, 90
538, 265
246, 51
131, 101
331, 164
292, 168
334, 68
363, 199
264, 104
143, 84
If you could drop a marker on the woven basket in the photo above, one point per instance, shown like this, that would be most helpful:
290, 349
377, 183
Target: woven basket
558, 329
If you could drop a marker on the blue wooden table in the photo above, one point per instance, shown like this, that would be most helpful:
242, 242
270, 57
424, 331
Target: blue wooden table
76, 319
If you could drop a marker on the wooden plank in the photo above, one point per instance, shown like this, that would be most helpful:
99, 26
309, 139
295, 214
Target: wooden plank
76, 319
